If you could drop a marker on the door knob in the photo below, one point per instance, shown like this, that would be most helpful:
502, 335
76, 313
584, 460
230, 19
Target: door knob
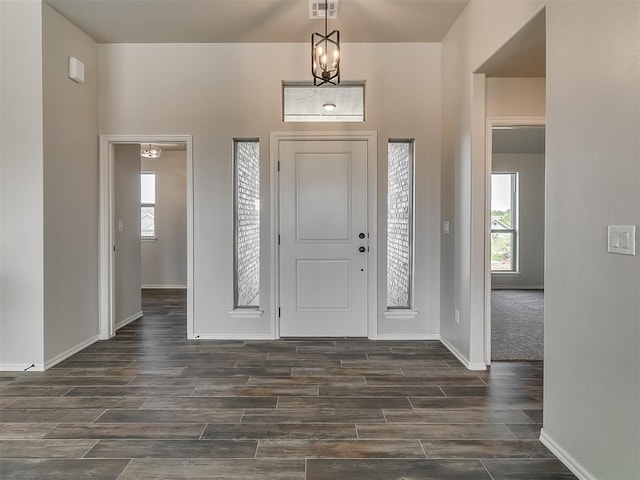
362, 249
362, 235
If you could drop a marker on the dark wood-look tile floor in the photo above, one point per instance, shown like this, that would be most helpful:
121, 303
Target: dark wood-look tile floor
149, 404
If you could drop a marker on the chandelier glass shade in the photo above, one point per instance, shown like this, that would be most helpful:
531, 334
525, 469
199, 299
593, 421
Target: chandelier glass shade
150, 151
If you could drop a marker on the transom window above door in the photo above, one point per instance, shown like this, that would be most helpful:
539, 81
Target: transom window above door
304, 102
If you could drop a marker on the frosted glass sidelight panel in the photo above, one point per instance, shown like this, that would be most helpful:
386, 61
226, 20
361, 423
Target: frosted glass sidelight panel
399, 223
247, 223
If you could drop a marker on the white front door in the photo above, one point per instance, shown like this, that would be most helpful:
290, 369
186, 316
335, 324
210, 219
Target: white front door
323, 238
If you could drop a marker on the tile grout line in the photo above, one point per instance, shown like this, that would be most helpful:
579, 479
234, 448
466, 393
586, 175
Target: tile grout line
486, 469
423, 450
89, 449
125, 467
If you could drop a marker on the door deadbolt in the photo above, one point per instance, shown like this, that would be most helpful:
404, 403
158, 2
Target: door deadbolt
362, 235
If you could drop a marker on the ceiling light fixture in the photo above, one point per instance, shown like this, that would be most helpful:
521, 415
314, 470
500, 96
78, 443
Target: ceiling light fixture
150, 151
325, 55
329, 107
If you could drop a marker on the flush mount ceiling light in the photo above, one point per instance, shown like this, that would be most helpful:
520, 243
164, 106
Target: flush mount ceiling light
325, 55
329, 107
150, 151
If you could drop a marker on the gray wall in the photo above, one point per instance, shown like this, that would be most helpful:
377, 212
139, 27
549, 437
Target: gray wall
126, 232
478, 33
21, 179
70, 187
530, 168
164, 261
592, 299
48, 188
221, 98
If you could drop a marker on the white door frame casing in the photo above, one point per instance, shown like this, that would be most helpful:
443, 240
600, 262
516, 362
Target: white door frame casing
371, 137
106, 234
495, 121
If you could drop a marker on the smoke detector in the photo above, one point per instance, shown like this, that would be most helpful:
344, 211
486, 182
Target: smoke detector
317, 9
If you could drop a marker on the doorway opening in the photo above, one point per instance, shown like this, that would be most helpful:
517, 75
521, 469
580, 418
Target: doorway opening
515, 246
146, 226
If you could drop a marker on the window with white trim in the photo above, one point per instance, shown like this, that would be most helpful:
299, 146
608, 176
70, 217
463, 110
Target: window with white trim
148, 205
247, 223
504, 222
399, 224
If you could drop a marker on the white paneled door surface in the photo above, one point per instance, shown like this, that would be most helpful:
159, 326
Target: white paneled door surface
323, 238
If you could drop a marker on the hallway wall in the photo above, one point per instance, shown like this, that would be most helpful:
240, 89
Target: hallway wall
592, 298
164, 260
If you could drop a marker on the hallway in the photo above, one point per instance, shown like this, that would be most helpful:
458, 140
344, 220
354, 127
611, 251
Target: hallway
149, 404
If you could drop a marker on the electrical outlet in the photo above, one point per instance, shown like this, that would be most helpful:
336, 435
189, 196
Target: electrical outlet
457, 317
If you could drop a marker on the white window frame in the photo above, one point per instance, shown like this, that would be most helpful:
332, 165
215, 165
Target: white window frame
239, 311
408, 311
513, 231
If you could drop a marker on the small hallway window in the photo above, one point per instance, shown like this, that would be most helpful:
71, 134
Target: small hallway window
147, 205
504, 216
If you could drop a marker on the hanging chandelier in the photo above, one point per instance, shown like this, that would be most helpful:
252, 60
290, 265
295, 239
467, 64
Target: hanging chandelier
150, 151
325, 55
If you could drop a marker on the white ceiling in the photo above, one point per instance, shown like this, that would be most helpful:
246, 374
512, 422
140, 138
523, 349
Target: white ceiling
257, 21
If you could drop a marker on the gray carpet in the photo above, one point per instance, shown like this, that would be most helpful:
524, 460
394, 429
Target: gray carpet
517, 324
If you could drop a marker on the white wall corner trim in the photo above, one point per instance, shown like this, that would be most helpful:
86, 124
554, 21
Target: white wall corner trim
252, 313
408, 336
461, 357
233, 336
177, 287
127, 321
568, 461
68, 353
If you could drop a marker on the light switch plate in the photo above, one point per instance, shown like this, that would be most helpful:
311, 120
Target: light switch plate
621, 239
445, 226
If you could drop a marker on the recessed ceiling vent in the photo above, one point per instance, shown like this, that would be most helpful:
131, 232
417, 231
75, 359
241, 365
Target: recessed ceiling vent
316, 9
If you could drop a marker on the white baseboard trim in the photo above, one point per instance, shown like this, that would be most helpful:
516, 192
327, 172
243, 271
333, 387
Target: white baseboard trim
21, 367
461, 357
408, 336
517, 287
568, 461
232, 336
127, 321
149, 285
72, 351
